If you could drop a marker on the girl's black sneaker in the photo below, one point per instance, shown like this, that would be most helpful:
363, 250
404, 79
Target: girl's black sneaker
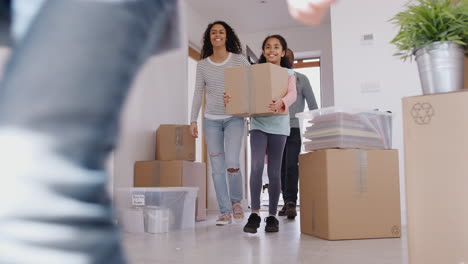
252, 224
272, 224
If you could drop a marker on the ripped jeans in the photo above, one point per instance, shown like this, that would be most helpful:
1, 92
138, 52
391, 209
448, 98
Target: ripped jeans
224, 140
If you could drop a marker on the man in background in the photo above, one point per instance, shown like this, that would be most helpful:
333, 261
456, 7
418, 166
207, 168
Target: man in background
290, 168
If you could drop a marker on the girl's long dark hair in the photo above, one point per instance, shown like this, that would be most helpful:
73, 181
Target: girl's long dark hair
284, 60
232, 41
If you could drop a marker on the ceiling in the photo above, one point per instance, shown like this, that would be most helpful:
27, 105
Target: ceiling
248, 16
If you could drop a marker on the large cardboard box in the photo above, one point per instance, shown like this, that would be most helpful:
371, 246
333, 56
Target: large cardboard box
253, 88
174, 142
350, 194
436, 170
174, 174
466, 73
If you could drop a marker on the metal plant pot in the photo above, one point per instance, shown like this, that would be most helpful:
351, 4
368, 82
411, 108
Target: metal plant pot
440, 66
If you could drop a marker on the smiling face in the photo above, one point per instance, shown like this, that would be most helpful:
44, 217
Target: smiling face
273, 51
218, 36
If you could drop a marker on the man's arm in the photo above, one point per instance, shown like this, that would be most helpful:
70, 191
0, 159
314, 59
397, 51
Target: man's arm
309, 12
308, 93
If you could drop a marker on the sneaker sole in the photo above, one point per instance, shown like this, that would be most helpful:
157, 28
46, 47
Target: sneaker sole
291, 215
271, 230
223, 224
248, 230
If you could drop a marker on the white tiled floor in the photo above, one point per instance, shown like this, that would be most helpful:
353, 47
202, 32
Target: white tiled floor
208, 243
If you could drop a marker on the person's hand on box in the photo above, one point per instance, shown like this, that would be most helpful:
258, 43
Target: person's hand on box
194, 129
227, 98
277, 106
309, 12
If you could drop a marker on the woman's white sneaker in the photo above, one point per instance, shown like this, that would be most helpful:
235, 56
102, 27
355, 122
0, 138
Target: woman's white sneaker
238, 212
224, 219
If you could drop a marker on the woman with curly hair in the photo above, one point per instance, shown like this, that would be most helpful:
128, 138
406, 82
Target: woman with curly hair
223, 133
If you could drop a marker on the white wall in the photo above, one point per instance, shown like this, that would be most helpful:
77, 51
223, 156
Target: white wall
158, 96
196, 25
192, 69
372, 67
303, 40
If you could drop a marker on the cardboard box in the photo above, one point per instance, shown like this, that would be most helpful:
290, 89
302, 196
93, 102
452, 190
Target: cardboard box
466, 73
350, 194
174, 174
174, 142
253, 88
436, 170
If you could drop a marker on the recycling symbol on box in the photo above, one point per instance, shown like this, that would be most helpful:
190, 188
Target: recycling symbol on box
422, 113
396, 231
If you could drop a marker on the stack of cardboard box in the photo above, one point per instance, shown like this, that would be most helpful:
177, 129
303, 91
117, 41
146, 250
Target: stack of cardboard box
436, 170
174, 165
349, 193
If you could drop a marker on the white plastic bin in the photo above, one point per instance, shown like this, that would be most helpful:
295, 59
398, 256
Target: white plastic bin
165, 208
339, 127
158, 219
131, 220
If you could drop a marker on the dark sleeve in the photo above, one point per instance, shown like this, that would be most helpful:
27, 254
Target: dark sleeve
308, 93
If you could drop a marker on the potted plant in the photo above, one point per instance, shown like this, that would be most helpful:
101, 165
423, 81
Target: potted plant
436, 33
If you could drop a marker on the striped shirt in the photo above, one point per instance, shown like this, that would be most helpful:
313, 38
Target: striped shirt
210, 78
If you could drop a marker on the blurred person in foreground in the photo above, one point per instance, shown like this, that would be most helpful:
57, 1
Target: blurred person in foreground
61, 96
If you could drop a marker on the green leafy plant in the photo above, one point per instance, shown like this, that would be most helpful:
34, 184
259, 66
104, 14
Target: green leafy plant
427, 21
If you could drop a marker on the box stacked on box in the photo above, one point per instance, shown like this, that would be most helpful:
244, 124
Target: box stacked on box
174, 142
174, 166
350, 194
349, 182
177, 173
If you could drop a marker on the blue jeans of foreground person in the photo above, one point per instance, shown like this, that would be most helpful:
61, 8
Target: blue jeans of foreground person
224, 140
60, 100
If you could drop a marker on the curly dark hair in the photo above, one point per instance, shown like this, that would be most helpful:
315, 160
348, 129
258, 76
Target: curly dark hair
232, 41
285, 62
